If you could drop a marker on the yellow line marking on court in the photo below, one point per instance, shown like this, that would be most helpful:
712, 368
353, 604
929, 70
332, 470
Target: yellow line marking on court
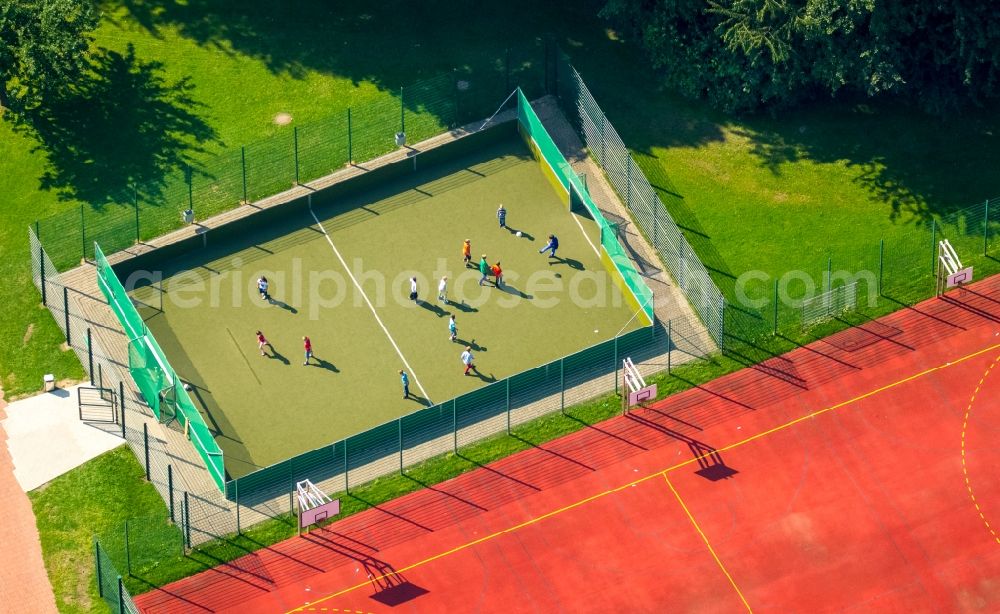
662, 472
965, 468
704, 538
820, 412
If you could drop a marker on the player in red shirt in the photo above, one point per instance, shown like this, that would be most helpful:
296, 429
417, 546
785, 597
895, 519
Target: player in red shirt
261, 342
307, 344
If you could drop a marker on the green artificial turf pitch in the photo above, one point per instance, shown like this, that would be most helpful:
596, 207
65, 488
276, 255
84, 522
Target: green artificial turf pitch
266, 409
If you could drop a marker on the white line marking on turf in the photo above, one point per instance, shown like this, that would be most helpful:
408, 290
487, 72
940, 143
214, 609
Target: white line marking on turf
585, 236
409, 369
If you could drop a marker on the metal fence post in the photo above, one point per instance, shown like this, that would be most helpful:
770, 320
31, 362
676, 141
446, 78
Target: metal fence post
97, 558
562, 385
670, 342
90, 357
454, 424
722, 326
604, 120
295, 140
680, 261
829, 273
508, 404
775, 307
187, 521
170, 489
135, 202
350, 153
121, 404
347, 472
628, 181
145, 447
69, 338
402, 112
881, 254
236, 492
41, 262
121, 595
656, 221
243, 160
190, 178
616, 364
399, 422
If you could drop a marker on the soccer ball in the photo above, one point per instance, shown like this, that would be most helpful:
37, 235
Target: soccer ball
518, 233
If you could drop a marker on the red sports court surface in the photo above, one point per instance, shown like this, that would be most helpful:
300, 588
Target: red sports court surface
855, 474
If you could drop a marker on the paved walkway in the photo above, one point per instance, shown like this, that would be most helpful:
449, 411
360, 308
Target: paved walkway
38, 426
24, 584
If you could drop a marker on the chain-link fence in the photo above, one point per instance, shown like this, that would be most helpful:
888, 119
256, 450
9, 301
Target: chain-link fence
109, 583
162, 389
641, 200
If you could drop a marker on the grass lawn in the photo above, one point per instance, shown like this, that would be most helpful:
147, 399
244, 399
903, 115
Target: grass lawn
825, 182
74, 507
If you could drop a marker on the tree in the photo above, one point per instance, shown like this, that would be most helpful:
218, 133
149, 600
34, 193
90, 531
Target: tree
43, 48
743, 55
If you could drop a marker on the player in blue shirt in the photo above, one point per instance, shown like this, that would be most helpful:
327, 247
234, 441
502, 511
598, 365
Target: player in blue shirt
406, 383
552, 246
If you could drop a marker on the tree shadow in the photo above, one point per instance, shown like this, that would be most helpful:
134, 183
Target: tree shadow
919, 164
122, 125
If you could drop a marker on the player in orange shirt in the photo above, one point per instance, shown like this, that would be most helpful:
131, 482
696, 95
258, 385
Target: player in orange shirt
467, 252
497, 274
